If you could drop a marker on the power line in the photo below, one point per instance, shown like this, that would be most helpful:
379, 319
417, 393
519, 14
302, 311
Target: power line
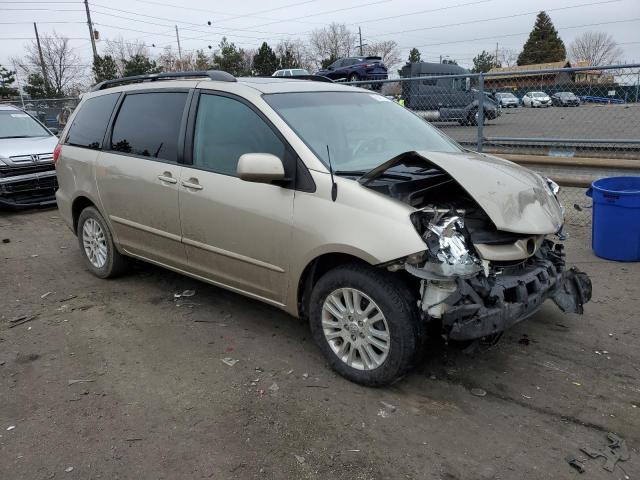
521, 33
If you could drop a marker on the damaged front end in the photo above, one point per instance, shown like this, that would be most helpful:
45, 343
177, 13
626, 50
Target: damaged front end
475, 278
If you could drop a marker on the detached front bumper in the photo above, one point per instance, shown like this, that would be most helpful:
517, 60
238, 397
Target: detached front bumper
481, 306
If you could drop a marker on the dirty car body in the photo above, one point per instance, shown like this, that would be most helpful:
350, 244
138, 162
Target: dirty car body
340, 207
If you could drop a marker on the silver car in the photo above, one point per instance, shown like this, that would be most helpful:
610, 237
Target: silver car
330, 202
27, 173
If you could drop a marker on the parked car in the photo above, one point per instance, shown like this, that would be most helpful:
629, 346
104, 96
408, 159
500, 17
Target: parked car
355, 69
27, 173
444, 95
330, 202
536, 99
507, 100
565, 99
290, 72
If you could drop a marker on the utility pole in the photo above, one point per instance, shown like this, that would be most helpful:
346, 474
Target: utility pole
44, 69
360, 35
495, 60
179, 49
91, 35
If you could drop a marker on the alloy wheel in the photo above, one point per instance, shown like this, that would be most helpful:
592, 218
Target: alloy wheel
94, 242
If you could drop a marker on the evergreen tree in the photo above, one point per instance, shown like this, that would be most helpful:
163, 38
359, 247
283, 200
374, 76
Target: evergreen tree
414, 55
543, 45
265, 61
140, 64
484, 62
104, 68
35, 87
7, 77
328, 61
203, 61
288, 60
230, 58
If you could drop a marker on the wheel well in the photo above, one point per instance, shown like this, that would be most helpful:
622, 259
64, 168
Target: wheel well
79, 204
318, 267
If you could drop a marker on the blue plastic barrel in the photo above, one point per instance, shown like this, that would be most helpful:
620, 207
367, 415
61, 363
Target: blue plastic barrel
616, 218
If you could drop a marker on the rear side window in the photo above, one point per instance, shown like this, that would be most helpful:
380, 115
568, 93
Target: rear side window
225, 130
90, 123
148, 124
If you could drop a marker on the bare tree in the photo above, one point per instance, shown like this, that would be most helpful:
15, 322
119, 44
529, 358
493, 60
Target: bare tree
65, 72
595, 48
507, 57
121, 51
171, 62
332, 42
388, 50
298, 51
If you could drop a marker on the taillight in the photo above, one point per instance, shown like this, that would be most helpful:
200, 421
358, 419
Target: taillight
56, 152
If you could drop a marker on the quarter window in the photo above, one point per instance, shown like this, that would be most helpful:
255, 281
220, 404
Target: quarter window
226, 129
148, 124
90, 123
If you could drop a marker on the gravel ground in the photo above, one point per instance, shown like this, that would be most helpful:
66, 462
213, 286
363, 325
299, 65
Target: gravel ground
115, 380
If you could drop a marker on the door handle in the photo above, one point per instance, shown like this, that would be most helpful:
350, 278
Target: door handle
192, 184
166, 177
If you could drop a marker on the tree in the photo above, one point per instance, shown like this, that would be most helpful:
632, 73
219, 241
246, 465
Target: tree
449, 61
334, 41
35, 87
543, 45
595, 48
294, 54
202, 61
104, 68
507, 57
140, 65
387, 49
230, 58
265, 61
484, 62
64, 70
122, 50
7, 77
414, 55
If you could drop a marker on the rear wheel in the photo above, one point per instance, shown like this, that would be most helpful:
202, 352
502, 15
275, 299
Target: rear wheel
365, 323
97, 247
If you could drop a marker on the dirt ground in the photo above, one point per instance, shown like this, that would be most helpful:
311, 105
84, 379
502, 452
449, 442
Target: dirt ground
116, 380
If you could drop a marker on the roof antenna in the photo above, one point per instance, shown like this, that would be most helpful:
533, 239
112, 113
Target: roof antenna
334, 185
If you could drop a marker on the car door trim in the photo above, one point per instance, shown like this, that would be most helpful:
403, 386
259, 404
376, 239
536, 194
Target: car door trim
235, 256
145, 228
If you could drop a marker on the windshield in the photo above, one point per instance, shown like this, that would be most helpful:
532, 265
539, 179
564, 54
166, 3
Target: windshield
566, 94
362, 130
505, 95
17, 124
539, 94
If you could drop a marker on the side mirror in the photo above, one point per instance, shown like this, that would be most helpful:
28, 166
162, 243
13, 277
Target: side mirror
260, 168
330, 67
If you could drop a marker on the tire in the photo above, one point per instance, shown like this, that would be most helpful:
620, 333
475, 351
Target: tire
353, 77
114, 262
400, 320
472, 117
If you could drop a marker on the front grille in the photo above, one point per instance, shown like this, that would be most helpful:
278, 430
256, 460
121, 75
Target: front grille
31, 159
6, 171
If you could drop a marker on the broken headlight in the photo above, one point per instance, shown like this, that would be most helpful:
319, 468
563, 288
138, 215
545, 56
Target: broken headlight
447, 252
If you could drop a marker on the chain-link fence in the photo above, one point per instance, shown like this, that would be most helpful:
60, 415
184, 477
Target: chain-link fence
52, 112
571, 124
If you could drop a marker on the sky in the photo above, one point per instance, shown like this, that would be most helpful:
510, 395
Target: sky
457, 29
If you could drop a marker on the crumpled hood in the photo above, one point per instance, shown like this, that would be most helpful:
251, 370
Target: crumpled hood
515, 198
11, 147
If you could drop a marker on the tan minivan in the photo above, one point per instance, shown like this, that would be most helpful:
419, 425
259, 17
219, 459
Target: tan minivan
328, 201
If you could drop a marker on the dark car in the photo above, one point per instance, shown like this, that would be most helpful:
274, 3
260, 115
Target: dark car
565, 99
354, 69
440, 92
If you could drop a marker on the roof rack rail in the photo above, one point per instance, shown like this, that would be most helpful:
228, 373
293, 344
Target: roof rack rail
217, 75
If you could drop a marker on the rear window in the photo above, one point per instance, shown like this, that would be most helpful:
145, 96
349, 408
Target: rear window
90, 123
148, 124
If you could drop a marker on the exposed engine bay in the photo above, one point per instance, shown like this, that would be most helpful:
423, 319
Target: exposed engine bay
474, 278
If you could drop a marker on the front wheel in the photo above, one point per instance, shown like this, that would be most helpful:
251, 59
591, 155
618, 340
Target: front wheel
97, 247
366, 324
